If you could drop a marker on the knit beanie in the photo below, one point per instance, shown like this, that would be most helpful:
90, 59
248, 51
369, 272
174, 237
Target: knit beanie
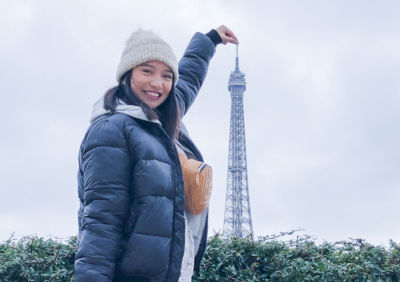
143, 46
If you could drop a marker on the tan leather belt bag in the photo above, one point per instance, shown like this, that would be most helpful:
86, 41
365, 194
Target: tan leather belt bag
197, 179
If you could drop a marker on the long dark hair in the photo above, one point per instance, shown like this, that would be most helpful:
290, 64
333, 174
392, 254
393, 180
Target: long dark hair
168, 112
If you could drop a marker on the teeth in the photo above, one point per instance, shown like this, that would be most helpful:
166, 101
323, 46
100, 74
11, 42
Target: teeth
153, 94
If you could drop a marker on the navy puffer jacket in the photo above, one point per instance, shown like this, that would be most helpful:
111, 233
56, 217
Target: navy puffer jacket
130, 185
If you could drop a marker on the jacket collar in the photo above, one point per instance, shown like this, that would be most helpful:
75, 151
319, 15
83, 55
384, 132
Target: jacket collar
122, 107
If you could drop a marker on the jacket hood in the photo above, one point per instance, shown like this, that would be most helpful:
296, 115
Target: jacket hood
123, 108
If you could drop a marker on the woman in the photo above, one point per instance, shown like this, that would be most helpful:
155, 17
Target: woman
132, 223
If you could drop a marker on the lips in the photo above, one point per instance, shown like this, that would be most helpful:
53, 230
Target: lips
152, 95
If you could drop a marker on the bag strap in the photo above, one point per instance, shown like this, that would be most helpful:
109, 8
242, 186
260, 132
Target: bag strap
182, 158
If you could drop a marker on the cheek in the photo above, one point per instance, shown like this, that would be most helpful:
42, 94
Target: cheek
133, 83
168, 88
133, 86
137, 81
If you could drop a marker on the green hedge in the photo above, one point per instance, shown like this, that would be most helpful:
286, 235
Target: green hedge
266, 259
37, 259
298, 260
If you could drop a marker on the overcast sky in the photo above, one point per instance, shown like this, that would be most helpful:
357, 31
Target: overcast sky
321, 107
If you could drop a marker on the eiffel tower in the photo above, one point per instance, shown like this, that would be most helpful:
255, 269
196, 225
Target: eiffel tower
237, 219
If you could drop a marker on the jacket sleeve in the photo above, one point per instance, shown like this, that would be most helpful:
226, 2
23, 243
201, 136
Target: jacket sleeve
193, 69
105, 162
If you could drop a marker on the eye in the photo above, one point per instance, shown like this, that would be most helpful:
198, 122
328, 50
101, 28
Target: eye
168, 76
146, 70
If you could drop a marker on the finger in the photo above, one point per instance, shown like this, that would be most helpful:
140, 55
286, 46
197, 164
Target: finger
231, 36
232, 40
235, 38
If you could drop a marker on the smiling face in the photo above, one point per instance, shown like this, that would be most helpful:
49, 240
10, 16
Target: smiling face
152, 82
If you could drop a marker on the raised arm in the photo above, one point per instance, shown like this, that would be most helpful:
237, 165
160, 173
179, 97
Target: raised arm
193, 66
106, 166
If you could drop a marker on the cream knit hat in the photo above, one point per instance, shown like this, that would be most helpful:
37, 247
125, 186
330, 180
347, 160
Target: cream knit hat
143, 46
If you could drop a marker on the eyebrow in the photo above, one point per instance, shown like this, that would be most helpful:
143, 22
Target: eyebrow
151, 66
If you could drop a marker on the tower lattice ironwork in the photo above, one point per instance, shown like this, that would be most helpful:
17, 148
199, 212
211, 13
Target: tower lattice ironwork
237, 220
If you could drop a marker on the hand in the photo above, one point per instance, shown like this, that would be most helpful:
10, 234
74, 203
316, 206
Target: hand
226, 35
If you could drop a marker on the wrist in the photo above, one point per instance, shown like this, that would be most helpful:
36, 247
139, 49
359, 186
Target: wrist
214, 36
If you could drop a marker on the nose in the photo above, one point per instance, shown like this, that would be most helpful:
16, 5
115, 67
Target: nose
156, 82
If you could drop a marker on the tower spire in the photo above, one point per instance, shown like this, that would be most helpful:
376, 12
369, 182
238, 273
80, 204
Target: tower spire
237, 58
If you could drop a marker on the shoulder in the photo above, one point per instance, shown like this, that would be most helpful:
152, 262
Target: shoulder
108, 130
113, 122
